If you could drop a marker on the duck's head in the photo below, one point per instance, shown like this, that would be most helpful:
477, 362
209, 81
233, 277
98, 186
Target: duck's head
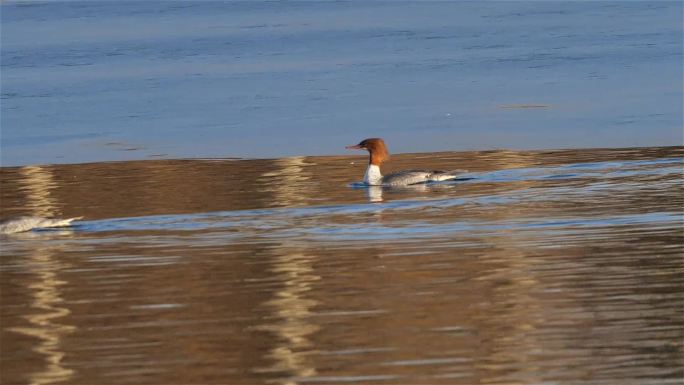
376, 148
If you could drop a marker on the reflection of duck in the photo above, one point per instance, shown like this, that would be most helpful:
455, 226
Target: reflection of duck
378, 153
375, 192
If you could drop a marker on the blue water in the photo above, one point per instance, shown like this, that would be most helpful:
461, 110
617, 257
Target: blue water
100, 80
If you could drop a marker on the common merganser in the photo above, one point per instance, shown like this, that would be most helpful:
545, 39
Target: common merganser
378, 153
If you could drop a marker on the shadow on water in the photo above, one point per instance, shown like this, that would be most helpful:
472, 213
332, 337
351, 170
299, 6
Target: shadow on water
535, 267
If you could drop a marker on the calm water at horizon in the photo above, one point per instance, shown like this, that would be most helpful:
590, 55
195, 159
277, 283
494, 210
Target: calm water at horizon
546, 267
88, 81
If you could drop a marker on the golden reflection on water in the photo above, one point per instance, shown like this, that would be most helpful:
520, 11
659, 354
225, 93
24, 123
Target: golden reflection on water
47, 300
282, 273
37, 181
42, 262
290, 308
290, 322
518, 283
515, 291
288, 181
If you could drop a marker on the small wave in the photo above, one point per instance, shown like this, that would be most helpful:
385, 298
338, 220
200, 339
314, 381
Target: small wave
261, 220
28, 223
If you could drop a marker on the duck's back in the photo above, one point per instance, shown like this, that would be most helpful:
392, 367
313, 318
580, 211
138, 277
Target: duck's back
406, 177
409, 177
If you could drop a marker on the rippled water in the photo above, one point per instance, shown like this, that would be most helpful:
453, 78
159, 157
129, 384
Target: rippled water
86, 81
558, 267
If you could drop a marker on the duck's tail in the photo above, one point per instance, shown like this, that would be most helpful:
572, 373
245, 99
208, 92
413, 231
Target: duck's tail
21, 224
439, 176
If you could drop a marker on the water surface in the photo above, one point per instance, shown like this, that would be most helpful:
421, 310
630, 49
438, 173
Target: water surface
553, 267
86, 81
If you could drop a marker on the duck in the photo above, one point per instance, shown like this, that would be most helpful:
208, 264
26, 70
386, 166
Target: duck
378, 152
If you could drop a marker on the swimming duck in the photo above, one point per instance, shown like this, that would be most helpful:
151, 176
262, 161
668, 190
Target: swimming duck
378, 153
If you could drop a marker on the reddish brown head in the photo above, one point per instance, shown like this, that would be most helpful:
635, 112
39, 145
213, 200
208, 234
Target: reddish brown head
376, 147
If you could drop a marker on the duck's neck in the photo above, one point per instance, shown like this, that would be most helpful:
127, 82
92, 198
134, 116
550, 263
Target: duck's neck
373, 176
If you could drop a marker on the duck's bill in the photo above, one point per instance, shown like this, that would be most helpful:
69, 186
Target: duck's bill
354, 147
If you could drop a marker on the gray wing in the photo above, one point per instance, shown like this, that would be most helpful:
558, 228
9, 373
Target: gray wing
408, 177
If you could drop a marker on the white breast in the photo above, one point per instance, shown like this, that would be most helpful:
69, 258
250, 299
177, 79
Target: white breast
373, 176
